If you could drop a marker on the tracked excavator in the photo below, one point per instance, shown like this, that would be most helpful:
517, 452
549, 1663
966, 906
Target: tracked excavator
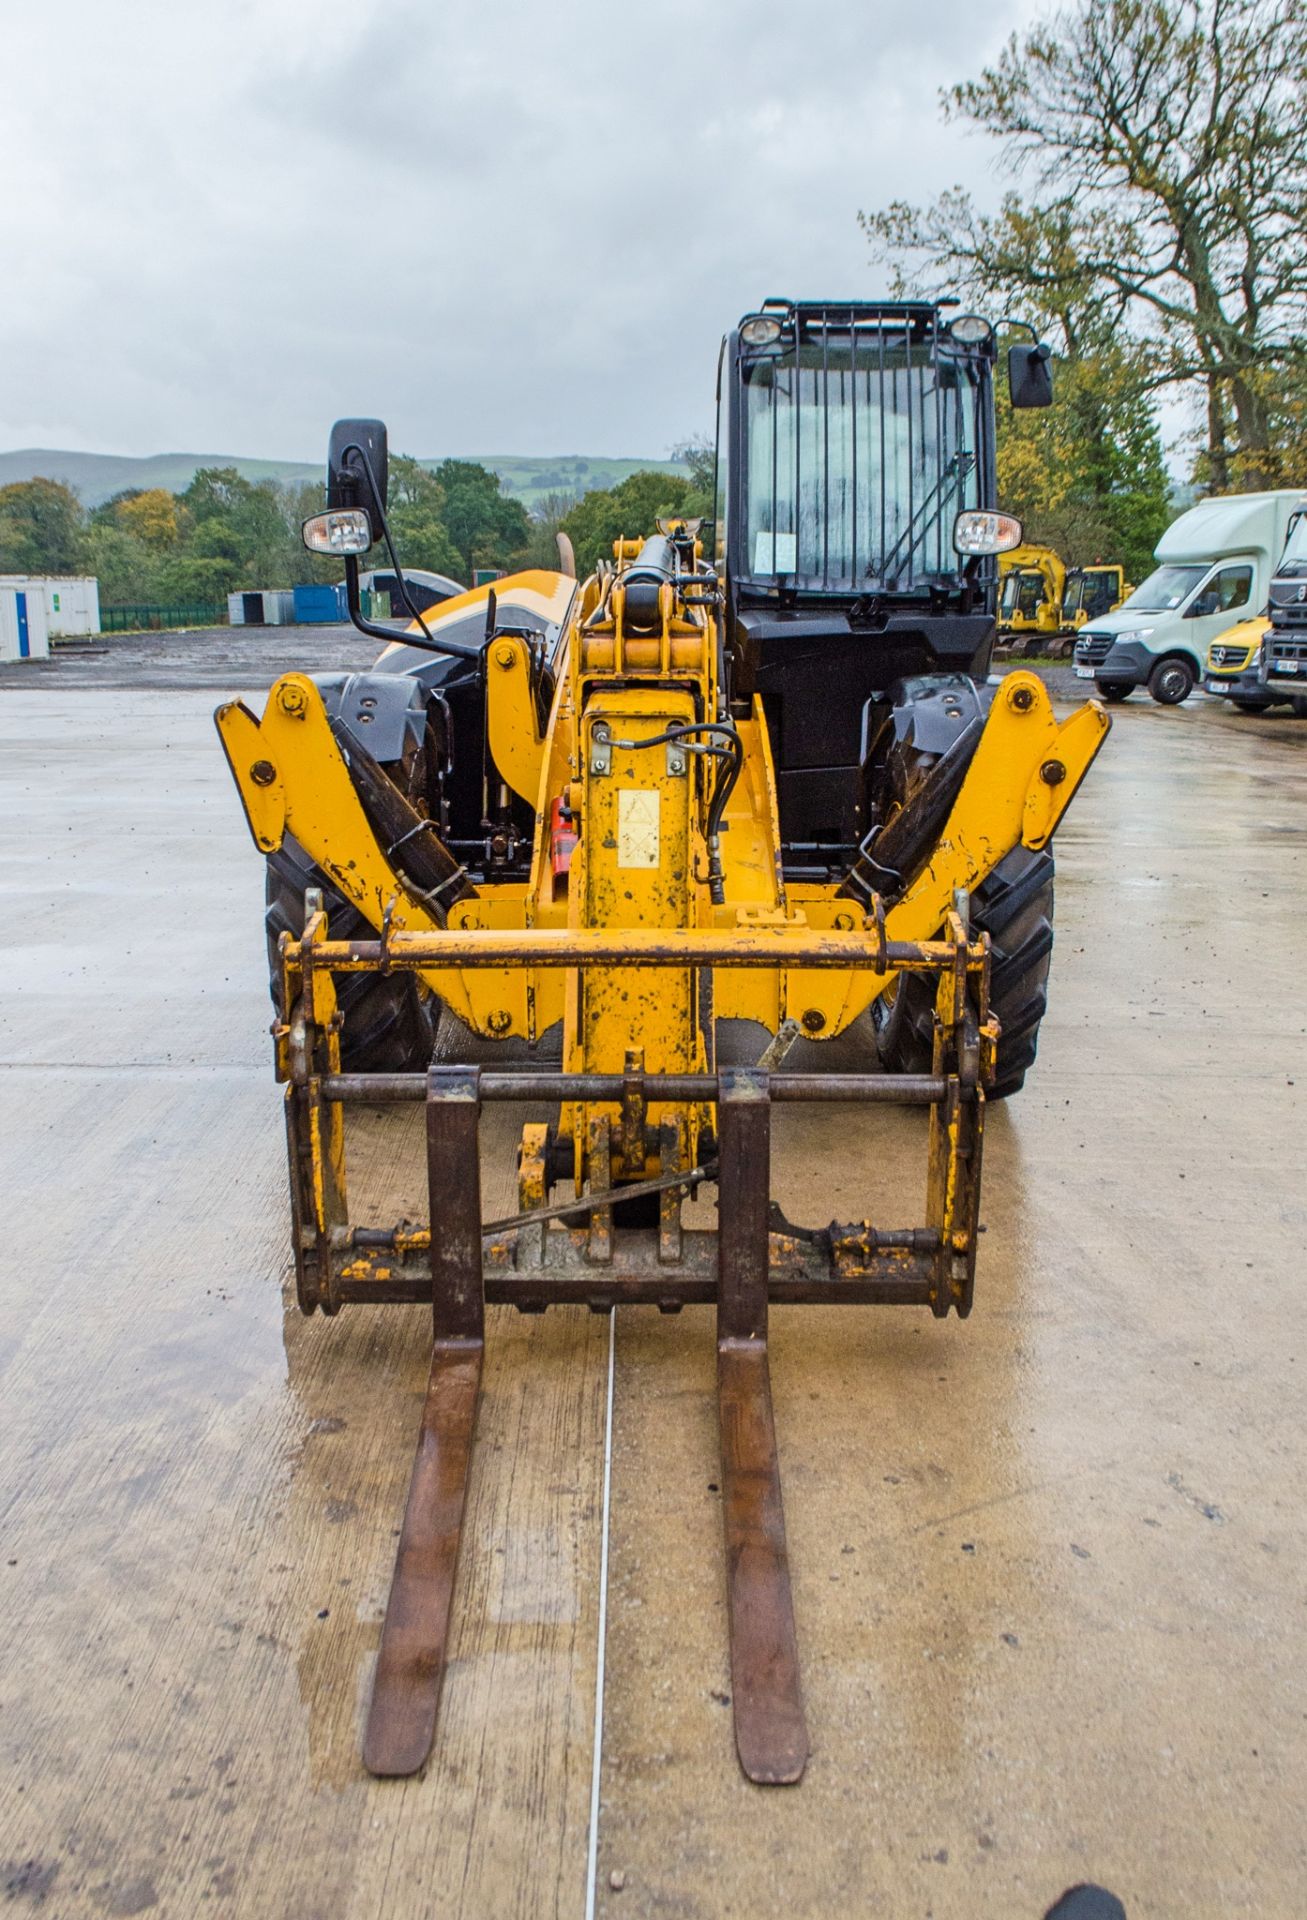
748, 778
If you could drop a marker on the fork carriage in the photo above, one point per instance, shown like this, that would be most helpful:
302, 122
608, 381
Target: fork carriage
578, 1251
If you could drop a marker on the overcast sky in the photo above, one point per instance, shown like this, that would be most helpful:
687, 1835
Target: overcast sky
504, 227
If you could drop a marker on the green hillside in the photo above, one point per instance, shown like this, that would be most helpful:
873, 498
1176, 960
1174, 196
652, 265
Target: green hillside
98, 476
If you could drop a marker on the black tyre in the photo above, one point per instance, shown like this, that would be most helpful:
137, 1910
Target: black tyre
1299, 707
1171, 681
1113, 693
1015, 907
389, 1023
1251, 706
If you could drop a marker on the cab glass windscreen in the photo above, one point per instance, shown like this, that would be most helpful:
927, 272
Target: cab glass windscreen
860, 450
1165, 589
1295, 547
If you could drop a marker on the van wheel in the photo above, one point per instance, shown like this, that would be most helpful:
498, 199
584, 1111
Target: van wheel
1113, 693
1254, 706
1299, 706
1171, 681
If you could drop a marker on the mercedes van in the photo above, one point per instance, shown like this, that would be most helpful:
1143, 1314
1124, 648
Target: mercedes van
1214, 567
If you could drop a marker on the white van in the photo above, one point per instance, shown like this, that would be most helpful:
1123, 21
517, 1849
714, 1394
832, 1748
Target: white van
1214, 567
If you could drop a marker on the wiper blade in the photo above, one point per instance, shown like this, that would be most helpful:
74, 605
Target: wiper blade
945, 489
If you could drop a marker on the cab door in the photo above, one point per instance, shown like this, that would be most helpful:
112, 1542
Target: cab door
1223, 600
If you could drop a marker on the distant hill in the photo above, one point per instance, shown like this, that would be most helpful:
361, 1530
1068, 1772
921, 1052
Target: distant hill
98, 476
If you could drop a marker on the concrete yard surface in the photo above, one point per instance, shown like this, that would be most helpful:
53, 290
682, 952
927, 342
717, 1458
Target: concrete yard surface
1048, 1563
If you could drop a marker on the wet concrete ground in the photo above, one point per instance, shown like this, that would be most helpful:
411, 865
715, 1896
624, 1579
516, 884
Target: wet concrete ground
1048, 1564
214, 658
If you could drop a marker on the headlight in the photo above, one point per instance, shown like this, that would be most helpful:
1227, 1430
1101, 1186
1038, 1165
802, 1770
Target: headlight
971, 329
344, 530
761, 331
1133, 633
975, 532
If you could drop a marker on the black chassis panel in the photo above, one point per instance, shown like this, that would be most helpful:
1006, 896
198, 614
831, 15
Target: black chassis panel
819, 674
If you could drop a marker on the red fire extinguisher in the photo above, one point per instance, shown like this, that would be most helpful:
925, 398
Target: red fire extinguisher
562, 837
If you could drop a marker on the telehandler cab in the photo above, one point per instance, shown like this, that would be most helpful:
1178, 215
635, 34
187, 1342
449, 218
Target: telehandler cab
746, 772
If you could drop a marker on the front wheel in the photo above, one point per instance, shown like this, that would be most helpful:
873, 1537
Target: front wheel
1014, 906
1112, 693
1299, 706
1171, 681
388, 1020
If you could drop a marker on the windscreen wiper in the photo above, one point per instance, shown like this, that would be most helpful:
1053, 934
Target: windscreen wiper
948, 485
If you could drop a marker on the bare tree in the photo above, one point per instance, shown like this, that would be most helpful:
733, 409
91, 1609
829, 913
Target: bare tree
1166, 144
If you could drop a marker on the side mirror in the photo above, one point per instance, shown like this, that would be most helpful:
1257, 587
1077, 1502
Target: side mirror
358, 463
1030, 376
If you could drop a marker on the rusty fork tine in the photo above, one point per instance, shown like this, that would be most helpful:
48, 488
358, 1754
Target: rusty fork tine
411, 1661
414, 1640
771, 1734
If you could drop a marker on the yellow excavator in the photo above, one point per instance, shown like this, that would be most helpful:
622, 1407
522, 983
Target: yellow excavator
1090, 592
1032, 581
745, 785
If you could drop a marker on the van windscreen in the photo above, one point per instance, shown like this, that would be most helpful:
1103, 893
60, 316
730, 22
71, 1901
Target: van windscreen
1164, 590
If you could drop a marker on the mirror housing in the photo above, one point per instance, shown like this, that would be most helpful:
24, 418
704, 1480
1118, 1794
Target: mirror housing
1030, 375
354, 443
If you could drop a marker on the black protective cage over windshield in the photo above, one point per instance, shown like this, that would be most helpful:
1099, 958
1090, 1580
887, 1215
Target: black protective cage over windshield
853, 442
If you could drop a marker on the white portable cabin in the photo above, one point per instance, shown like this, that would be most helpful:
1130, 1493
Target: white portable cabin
261, 607
24, 633
72, 603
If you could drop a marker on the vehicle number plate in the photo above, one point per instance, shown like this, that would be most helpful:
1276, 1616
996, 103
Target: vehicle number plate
1084, 673
1288, 666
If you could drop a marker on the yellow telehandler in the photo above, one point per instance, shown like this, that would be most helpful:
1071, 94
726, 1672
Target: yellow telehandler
747, 778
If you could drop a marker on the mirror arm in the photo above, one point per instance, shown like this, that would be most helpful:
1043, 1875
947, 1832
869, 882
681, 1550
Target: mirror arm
429, 644
398, 636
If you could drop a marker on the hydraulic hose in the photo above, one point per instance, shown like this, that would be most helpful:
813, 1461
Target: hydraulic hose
892, 856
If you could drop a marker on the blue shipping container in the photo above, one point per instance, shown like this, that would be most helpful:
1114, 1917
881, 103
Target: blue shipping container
316, 605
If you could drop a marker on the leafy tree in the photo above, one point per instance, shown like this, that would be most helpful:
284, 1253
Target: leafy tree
415, 508
1088, 476
487, 527
699, 454
1168, 149
547, 518
628, 510
244, 523
127, 569
151, 516
41, 528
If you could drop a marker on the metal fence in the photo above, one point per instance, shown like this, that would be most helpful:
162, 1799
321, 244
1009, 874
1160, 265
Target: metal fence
156, 619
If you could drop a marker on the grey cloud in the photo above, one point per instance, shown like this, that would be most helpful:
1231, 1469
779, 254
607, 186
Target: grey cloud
508, 228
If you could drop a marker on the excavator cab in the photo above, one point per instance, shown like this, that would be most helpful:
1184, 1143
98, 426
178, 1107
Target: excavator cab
1090, 593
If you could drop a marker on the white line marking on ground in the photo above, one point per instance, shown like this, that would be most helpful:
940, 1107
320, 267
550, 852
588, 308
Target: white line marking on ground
592, 1860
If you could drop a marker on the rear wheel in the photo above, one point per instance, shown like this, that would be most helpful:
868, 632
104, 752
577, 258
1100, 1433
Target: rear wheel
389, 1020
1015, 907
1250, 706
1171, 681
1113, 693
1299, 706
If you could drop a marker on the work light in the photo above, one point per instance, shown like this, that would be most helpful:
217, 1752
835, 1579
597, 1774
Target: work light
972, 329
344, 530
761, 331
979, 533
